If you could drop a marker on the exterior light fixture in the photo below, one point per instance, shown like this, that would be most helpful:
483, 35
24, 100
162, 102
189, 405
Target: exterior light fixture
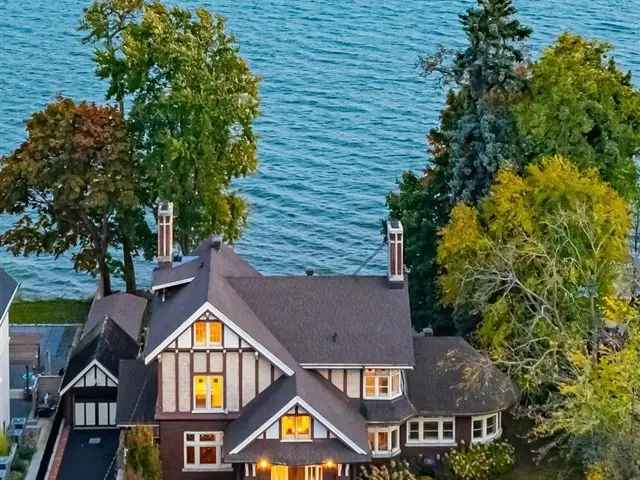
263, 464
329, 464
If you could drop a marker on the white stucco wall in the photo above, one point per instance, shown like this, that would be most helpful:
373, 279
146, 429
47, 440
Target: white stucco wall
4, 372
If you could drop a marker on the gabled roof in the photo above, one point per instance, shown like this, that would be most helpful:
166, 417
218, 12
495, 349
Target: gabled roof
137, 393
357, 320
173, 310
106, 344
8, 289
316, 395
123, 308
452, 378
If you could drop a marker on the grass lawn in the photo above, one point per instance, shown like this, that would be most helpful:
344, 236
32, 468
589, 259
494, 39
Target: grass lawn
525, 469
57, 310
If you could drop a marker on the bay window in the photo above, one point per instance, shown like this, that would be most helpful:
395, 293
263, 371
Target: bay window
207, 334
486, 427
384, 441
208, 392
431, 431
203, 451
382, 384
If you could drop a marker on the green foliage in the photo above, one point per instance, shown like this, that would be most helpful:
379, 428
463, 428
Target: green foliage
16, 476
524, 258
481, 461
5, 444
581, 105
25, 453
393, 470
143, 455
474, 138
193, 101
58, 310
19, 465
70, 182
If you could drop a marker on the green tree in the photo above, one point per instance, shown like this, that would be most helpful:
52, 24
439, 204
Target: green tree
143, 455
71, 183
581, 105
524, 260
475, 137
193, 102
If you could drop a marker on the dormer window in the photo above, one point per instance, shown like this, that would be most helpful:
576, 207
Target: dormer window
207, 334
295, 427
382, 384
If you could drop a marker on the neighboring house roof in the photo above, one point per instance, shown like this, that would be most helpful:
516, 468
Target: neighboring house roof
334, 320
172, 310
106, 343
123, 308
304, 453
452, 378
137, 392
316, 395
388, 411
8, 289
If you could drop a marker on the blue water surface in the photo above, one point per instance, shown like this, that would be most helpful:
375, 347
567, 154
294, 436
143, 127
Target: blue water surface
344, 111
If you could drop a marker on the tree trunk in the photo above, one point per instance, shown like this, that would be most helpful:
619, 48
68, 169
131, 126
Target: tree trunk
128, 271
105, 276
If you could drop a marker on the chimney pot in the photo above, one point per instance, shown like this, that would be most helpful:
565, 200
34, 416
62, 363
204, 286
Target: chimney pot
165, 232
216, 242
309, 272
395, 245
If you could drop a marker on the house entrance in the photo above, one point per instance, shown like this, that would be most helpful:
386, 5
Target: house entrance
303, 472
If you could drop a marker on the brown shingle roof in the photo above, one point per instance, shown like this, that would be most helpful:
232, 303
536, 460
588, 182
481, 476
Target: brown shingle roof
333, 320
137, 392
311, 453
123, 308
452, 378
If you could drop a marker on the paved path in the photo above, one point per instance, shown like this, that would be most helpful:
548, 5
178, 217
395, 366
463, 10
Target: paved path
84, 459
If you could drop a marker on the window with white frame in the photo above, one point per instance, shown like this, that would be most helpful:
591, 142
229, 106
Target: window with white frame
426, 431
207, 334
384, 441
486, 427
382, 384
203, 451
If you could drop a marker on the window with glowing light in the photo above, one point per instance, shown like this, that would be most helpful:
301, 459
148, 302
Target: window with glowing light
384, 441
208, 392
431, 431
295, 427
382, 384
203, 451
207, 334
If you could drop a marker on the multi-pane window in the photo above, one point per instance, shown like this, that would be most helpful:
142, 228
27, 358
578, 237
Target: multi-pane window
382, 383
202, 450
208, 392
207, 334
486, 427
422, 431
384, 441
295, 427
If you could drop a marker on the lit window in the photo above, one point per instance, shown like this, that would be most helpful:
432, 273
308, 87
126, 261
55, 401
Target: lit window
486, 427
384, 441
429, 431
382, 383
296, 427
207, 334
202, 451
208, 392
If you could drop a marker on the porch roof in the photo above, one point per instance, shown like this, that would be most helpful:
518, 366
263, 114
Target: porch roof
291, 453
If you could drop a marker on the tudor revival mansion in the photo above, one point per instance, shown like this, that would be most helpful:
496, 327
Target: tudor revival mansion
247, 376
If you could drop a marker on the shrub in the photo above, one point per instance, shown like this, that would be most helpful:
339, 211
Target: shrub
16, 476
25, 453
481, 462
394, 470
19, 466
143, 458
5, 444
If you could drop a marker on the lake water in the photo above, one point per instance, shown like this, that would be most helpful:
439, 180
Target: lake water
344, 111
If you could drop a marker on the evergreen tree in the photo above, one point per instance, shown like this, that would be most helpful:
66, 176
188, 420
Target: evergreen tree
475, 138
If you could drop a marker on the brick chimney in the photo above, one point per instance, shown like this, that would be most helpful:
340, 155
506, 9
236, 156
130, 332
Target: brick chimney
395, 240
165, 232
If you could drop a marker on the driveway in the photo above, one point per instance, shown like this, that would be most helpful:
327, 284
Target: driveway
90, 455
